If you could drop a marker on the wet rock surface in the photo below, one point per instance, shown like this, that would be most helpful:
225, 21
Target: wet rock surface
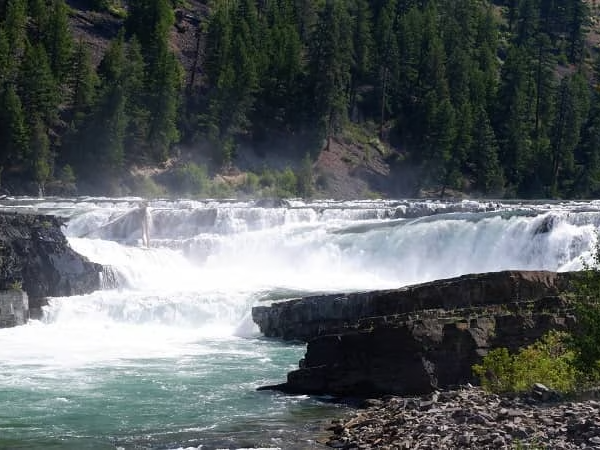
469, 418
35, 256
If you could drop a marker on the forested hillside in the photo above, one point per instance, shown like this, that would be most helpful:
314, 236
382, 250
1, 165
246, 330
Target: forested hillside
493, 99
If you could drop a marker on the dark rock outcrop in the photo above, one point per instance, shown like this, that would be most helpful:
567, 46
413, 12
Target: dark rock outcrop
35, 256
305, 318
415, 339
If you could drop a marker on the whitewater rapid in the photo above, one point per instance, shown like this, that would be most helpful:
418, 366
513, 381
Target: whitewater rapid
169, 357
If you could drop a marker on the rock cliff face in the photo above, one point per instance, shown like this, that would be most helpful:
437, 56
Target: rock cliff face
415, 339
35, 256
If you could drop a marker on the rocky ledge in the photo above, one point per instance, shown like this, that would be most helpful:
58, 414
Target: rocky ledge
417, 339
36, 257
469, 418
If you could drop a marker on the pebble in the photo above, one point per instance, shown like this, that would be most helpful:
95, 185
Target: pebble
470, 418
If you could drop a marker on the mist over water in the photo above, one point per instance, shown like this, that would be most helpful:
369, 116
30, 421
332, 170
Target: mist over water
169, 358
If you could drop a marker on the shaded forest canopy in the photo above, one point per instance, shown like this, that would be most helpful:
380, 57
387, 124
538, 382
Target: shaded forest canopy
495, 99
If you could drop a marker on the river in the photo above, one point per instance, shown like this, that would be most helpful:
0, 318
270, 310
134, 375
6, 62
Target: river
170, 359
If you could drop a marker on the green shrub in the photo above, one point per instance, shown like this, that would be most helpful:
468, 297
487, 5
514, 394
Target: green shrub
278, 184
267, 178
67, 174
496, 372
585, 339
220, 189
548, 361
287, 183
145, 186
250, 184
305, 187
192, 179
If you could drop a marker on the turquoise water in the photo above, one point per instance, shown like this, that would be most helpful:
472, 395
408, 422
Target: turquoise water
206, 395
170, 359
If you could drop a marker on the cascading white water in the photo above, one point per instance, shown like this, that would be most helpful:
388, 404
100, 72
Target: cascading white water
170, 357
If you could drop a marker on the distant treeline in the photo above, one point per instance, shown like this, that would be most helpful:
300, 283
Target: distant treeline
496, 98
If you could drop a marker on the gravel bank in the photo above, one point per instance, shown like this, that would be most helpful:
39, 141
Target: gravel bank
469, 418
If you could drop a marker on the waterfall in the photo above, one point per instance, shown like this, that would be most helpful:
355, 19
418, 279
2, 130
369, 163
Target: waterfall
166, 355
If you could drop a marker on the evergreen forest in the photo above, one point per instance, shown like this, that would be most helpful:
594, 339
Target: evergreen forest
496, 99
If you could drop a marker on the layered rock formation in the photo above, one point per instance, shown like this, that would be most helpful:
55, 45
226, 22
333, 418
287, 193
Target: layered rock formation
415, 339
36, 257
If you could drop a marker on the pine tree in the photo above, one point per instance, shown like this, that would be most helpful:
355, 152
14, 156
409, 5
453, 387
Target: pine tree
150, 21
485, 77
587, 151
528, 23
278, 99
386, 44
232, 71
38, 23
512, 13
432, 140
577, 23
587, 155
515, 120
245, 58
36, 86
461, 147
363, 48
438, 142
41, 157
307, 13
458, 24
220, 74
83, 82
15, 25
330, 62
5, 58
486, 169
138, 123
459, 73
544, 91
13, 130
58, 39
101, 148
156, 106
163, 105
410, 51
571, 110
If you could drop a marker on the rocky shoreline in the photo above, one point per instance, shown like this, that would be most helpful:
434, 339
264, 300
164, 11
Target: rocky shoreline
469, 417
406, 350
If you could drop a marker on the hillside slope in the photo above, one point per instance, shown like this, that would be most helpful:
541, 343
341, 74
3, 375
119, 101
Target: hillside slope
342, 172
338, 99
